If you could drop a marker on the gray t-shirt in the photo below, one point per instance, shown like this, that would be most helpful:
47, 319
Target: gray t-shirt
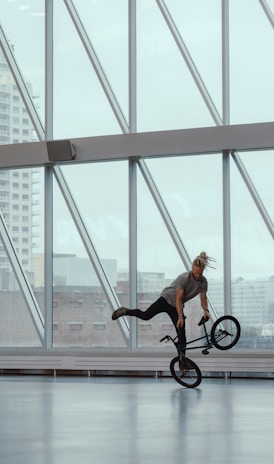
187, 283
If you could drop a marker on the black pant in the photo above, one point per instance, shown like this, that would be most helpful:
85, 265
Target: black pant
161, 306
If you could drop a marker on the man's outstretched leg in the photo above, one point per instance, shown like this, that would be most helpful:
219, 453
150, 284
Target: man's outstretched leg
159, 306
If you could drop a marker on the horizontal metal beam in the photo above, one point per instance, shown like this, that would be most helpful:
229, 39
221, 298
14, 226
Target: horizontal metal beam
152, 144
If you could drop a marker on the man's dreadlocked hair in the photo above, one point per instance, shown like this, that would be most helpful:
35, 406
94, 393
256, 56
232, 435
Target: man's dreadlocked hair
203, 260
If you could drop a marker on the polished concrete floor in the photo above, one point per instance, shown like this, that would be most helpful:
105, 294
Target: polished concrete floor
126, 420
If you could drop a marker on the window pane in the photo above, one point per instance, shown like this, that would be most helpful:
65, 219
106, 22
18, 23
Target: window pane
21, 24
252, 263
193, 197
200, 27
168, 97
260, 167
15, 123
106, 23
21, 191
251, 66
87, 111
82, 312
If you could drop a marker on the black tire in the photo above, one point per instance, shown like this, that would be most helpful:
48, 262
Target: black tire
185, 372
225, 332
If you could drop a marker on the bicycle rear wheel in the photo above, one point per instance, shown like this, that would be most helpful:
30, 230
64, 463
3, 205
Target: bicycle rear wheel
225, 332
185, 372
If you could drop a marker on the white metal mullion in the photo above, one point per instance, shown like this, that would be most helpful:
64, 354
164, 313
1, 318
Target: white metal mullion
133, 265
49, 69
267, 11
22, 88
48, 177
97, 66
132, 171
227, 233
22, 280
89, 246
254, 194
190, 63
225, 62
132, 78
48, 255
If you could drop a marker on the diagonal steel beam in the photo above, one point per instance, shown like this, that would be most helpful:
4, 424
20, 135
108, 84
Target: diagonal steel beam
189, 62
97, 66
268, 12
17, 75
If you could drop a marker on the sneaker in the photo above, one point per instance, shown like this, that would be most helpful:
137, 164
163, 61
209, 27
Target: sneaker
118, 313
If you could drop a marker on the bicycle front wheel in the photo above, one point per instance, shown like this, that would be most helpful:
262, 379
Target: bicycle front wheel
185, 372
225, 332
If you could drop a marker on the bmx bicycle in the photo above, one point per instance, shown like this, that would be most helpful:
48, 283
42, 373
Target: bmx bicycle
224, 334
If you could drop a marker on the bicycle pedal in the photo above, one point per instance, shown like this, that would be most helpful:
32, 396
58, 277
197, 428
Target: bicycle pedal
205, 352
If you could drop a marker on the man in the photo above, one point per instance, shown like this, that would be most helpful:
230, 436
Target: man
172, 299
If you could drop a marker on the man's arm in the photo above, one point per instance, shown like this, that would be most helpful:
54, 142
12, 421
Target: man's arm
204, 304
179, 307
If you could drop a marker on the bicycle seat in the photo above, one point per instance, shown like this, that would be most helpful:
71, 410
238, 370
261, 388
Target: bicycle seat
203, 320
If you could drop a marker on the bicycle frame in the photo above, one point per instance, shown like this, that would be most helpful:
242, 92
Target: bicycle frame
183, 369
206, 346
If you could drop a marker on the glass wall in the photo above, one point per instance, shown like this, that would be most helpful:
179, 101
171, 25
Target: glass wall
120, 68
91, 274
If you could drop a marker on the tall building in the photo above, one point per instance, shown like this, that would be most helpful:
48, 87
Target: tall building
18, 197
